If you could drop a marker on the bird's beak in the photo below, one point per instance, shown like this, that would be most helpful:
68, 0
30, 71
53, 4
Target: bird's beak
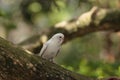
62, 39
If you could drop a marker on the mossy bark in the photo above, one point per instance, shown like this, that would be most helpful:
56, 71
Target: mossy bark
17, 64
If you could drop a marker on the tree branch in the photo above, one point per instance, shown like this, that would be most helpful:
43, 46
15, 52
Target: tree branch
96, 19
16, 64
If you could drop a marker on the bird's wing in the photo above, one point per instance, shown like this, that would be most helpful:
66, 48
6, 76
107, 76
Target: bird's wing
43, 49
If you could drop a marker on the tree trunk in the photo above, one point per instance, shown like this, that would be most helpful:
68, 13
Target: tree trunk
17, 64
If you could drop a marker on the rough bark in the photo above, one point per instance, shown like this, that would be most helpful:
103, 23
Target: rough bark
96, 19
17, 64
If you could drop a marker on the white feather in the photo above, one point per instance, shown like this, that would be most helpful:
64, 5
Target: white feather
51, 48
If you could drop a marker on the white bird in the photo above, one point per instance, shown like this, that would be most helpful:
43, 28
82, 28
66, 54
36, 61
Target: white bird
52, 47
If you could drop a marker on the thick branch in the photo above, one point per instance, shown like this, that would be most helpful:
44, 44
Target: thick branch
95, 20
16, 64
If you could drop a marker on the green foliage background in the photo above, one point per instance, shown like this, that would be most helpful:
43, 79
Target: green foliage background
80, 55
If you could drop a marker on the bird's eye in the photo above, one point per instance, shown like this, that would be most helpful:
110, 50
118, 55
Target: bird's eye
60, 37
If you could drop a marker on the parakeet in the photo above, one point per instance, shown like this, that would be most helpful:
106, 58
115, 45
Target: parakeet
52, 47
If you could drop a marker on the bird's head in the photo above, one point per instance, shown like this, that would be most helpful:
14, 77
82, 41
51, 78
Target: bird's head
58, 37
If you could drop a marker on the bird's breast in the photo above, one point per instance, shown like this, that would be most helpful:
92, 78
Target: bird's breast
51, 50
53, 47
